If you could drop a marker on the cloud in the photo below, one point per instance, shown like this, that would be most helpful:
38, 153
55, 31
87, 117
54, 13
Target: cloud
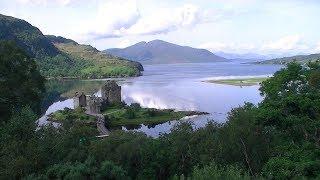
317, 48
124, 43
228, 47
293, 44
112, 16
166, 20
45, 2
287, 43
123, 18
120, 18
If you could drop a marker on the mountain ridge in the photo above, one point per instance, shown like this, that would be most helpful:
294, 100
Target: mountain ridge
297, 58
26, 36
162, 52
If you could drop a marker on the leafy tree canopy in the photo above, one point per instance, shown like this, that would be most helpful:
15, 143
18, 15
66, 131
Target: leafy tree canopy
20, 81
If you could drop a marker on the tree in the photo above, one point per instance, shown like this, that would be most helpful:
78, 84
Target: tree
20, 81
109, 170
242, 141
215, 172
18, 145
291, 110
292, 102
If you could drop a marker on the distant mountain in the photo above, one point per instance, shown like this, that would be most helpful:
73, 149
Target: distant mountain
60, 57
298, 58
246, 56
162, 52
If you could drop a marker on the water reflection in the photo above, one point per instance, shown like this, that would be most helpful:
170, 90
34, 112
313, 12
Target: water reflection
179, 87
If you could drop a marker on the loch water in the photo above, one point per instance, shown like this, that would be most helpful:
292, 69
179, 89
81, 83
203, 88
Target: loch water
172, 86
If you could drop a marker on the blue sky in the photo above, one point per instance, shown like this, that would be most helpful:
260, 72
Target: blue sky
234, 26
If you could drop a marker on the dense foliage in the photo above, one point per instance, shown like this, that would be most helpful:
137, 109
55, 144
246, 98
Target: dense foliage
277, 139
291, 111
26, 36
20, 82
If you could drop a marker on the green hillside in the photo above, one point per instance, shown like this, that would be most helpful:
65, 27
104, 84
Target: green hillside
299, 58
26, 36
61, 57
96, 64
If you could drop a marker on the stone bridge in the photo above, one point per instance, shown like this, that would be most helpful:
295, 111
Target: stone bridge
100, 120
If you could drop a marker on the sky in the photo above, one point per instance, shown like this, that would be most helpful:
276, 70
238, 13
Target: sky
232, 26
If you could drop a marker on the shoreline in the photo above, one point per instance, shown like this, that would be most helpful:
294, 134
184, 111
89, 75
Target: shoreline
79, 78
250, 81
141, 118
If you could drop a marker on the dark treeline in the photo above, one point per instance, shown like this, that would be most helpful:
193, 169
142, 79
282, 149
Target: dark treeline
277, 139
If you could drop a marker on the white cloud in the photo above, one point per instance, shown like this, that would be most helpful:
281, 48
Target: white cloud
166, 20
229, 47
119, 18
317, 48
112, 16
123, 18
64, 2
45, 2
293, 44
124, 43
287, 43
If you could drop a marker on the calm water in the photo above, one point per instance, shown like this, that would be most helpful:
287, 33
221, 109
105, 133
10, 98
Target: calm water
177, 86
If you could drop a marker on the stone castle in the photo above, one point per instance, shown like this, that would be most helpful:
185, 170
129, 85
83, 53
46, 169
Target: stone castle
110, 93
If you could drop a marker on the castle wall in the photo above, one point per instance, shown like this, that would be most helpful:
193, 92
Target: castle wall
94, 105
111, 92
75, 102
79, 100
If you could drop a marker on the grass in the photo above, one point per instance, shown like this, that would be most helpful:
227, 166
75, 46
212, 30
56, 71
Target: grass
109, 71
72, 116
130, 115
239, 82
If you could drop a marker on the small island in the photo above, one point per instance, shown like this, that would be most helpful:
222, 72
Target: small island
239, 82
108, 111
134, 114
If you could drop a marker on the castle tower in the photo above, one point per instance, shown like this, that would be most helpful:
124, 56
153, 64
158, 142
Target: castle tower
79, 100
94, 105
111, 92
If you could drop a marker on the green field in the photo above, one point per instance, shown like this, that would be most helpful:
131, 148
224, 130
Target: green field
72, 116
239, 82
131, 115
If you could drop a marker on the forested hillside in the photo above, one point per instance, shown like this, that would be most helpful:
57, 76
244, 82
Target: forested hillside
64, 62
299, 59
27, 37
93, 63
